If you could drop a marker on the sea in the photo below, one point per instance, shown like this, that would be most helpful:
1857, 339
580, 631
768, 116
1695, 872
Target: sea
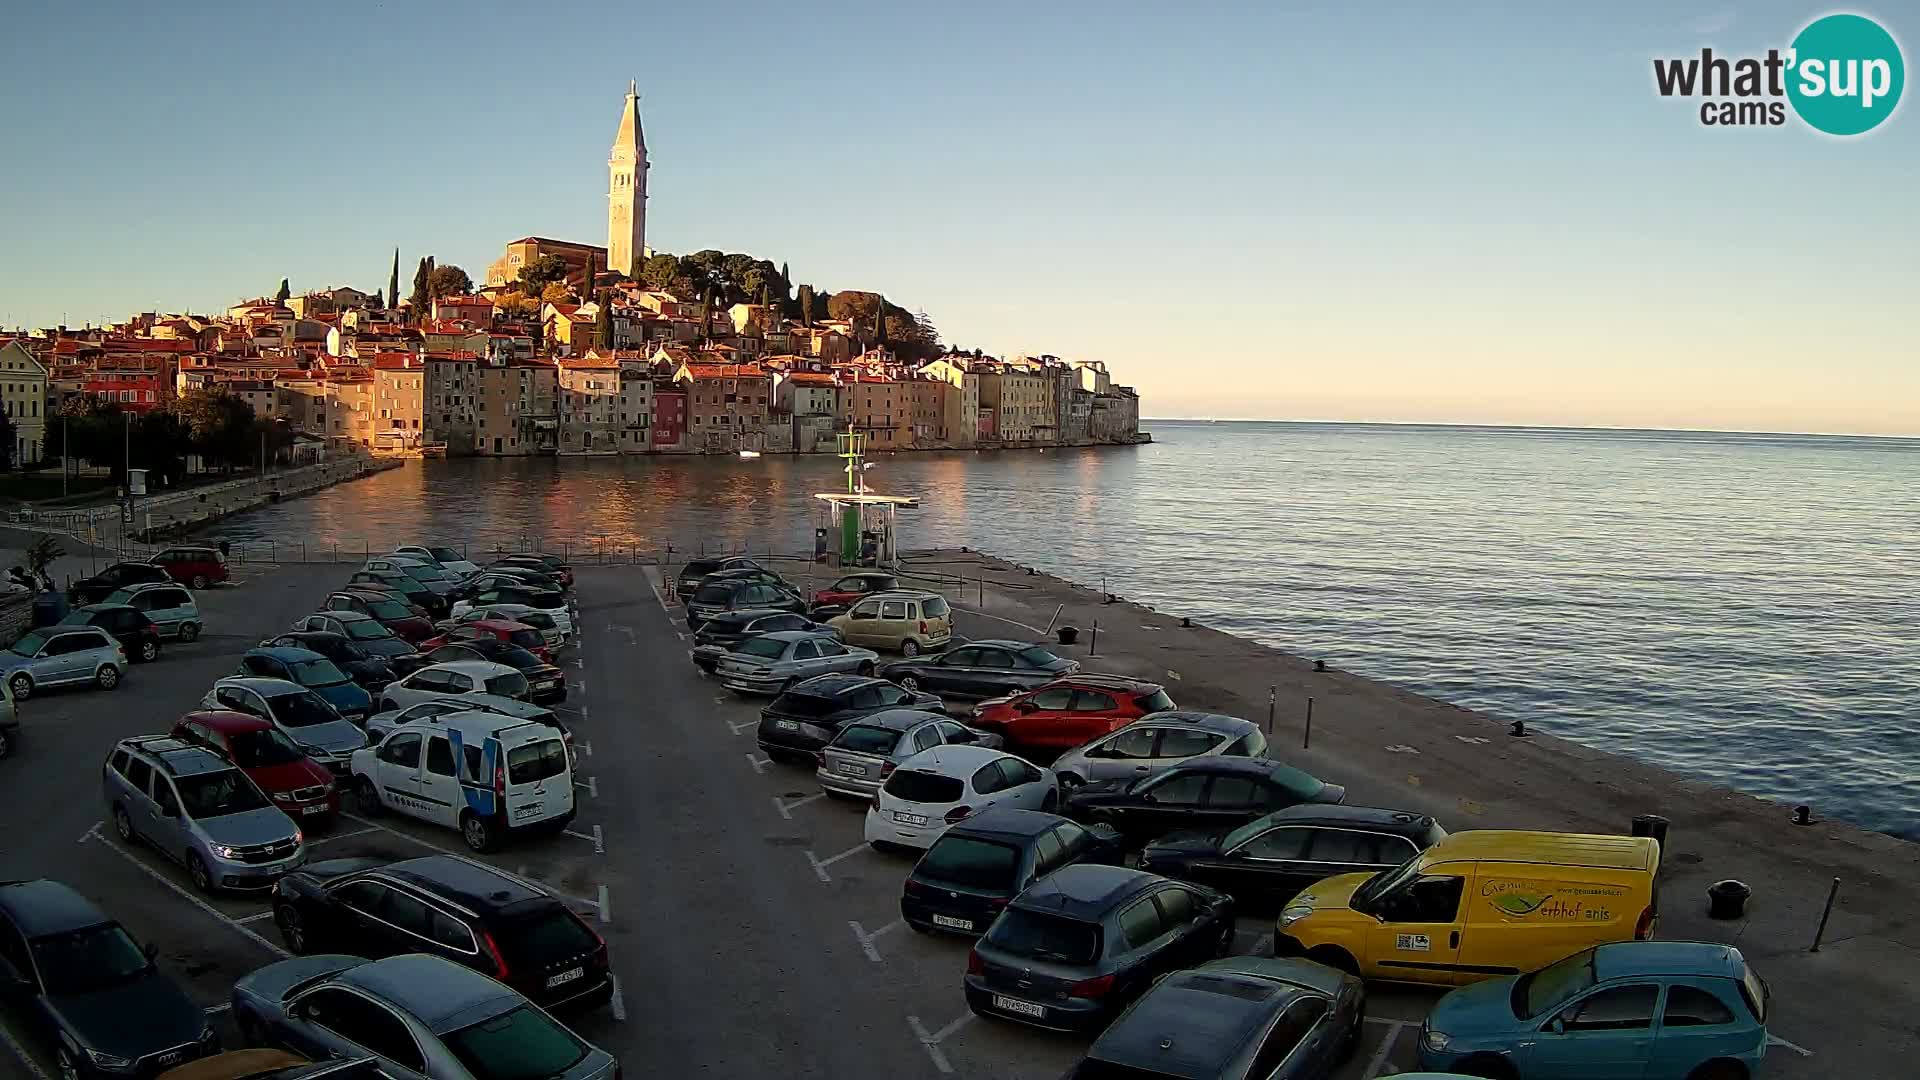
1741, 608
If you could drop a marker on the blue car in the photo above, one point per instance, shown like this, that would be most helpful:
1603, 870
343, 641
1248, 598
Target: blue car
1658, 1010
306, 668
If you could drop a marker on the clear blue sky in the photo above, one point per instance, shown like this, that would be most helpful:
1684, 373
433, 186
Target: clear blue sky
1330, 211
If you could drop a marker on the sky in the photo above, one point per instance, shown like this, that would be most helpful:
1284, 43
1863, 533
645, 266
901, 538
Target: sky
1379, 212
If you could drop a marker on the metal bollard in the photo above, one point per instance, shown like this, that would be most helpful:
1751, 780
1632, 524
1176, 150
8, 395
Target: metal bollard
1306, 736
1832, 891
1271, 692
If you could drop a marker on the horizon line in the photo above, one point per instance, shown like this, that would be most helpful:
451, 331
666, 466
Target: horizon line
1523, 427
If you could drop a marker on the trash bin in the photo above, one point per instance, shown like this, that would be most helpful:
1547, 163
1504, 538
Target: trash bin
1069, 635
1655, 826
1727, 899
48, 608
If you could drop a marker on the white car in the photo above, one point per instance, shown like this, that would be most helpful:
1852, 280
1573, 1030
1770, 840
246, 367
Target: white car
444, 557
460, 677
542, 621
947, 784
561, 613
482, 773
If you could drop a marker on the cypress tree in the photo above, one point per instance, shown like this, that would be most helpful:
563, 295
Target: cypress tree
393, 280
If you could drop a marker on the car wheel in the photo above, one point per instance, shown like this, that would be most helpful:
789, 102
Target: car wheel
865, 669
189, 631
68, 1068
367, 797
107, 677
1719, 1070
149, 651
199, 582
909, 647
292, 930
476, 832
123, 824
22, 686
1487, 1066
909, 684
197, 870
1337, 959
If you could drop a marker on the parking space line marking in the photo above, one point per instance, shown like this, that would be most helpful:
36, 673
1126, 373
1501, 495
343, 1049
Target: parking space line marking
932, 1042
1775, 1040
594, 838
216, 1010
401, 835
618, 1003
759, 763
20, 1051
571, 710
867, 940
330, 837
606, 910
194, 900
786, 808
255, 917
585, 747
92, 831
743, 725
1379, 1059
820, 865
721, 700
680, 634
592, 785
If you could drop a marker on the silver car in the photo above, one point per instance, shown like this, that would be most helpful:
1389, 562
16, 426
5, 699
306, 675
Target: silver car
1157, 742
300, 714
866, 751
198, 810
62, 656
421, 1017
772, 662
456, 678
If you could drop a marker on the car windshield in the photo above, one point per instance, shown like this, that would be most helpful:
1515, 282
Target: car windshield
1383, 883
321, 672
1158, 701
536, 761
915, 786
866, 739
445, 554
522, 1044
1037, 656
517, 657
539, 620
964, 860
388, 609
29, 644
304, 709
1045, 937
212, 795
83, 961
513, 685
526, 639
429, 573
766, 648
263, 748
714, 594
365, 630
1539, 991
1245, 833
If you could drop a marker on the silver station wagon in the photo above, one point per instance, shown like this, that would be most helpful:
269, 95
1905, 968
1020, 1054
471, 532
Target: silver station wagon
772, 662
866, 751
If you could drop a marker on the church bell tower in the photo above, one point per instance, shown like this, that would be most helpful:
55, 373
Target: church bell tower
627, 191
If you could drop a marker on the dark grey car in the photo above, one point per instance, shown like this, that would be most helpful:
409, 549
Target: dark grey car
981, 669
721, 633
423, 1017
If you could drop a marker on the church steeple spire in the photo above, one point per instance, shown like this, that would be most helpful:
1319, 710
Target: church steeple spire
627, 189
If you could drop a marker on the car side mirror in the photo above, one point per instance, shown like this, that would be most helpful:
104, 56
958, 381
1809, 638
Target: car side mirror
1558, 1026
1025, 707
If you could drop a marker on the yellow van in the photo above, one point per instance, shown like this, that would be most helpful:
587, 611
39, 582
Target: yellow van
1478, 904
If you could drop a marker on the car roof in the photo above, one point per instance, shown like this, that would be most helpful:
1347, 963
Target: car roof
498, 624
999, 643
898, 719
177, 758
148, 586
105, 607
1107, 682
262, 685
1280, 970
952, 759
288, 653
348, 616
1005, 823
1084, 890
1220, 763
41, 907
1400, 822
1205, 721
797, 635
226, 721
308, 635
481, 721
742, 615
1562, 849
869, 574
475, 886
1625, 958
435, 991
482, 669
902, 594
833, 685
1195, 1021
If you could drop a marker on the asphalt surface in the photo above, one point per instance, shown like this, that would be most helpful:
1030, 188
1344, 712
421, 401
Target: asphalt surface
752, 931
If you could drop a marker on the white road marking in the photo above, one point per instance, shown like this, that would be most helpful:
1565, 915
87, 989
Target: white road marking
592, 784
866, 940
92, 831
1401, 748
1471, 739
595, 838
721, 700
13, 1045
759, 763
743, 725
332, 836
582, 684
786, 808
1171, 674
216, 1010
404, 836
585, 748
820, 865
580, 663
1379, 1059
627, 630
606, 909
254, 918
681, 634
1775, 1040
932, 1041
194, 900
618, 1003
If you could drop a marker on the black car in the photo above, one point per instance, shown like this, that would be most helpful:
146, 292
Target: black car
129, 626
696, 570
82, 981
749, 573
510, 574
548, 683
414, 592
464, 911
543, 599
716, 597
1271, 858
362, 666
1085, 940
970, 873
1236, 1018
798, 723
981, 669
94, 589
721, 633
1199, 793
551, 565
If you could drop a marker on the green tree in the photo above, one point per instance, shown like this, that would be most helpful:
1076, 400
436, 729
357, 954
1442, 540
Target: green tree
556, 292
420, 296
703, 269
541, 272
9, 437
285, 292
393, 280
603, 325
660, 272
806, 305
449, 280
853, 308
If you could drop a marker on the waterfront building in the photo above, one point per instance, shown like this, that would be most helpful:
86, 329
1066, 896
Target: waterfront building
877, 407
636, 408
590, 404
811, 402
452, 393
24, 396
957, 424
727, 406
399, 381
669, 419
627, 191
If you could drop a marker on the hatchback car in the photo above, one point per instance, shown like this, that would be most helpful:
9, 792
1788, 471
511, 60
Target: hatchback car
718, 596
535, 577
505, 631
548, 565
92, 590
908, 623
446, 558
981, 669
719, 634
413, 591
316, 727
306, 668
1662, 1010
947, 784
803, 720
370, 672
420, 570
1070, 712
199, 811
968, 876
473, 914
553, 603
80, 980
542, 621
196, 567
771, 663
297, 784
418, 1015
1271, 858
62, 656
1084, 941
849, 588
367, 634
438, 681
137, 635
396, 615
1202, 793
171, 607
1157, 742
548, 683
868, 750
1236, 1018
695, 571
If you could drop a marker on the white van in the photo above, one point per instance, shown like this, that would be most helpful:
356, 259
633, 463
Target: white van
482, 773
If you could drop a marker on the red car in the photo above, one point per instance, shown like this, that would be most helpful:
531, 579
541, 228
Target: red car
1068, 712
194, 567
407, 622
513, 633
854, 586
301, 787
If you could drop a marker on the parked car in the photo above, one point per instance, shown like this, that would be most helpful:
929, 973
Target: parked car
908, 623
1081, 943
367, 633
508, 774
981, 669
415, 592
454, 679
867, 751
385, 591
193, 566
939, 787
426, 573
718, 596
1201, 793
1270, 859
1662, 1010
417, 1015
396, 615
313, 671
549, 565
548, 600
1156, 743
773, 662
171, 607
497, 576
848, 588
380, 724
505, 631
272, 1065
1070, 712
540, 620
548, 684
719, 634
136, 634
473, 914
980, 864
79, 981
804, 719
297, 784
695, 571
92, 590
9, 721
199, 811
752, 574
62, 656
302, 715
1235, 1018
446, 558
370, 672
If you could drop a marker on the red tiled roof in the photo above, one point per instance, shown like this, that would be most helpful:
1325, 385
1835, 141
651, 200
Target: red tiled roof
811, 378
725, 371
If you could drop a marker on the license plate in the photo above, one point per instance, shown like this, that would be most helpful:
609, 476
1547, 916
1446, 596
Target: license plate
169, 1058
786, 725
952, 923
527, 811
567, 977
1024, 1008
851, 769
317, 808
910, 819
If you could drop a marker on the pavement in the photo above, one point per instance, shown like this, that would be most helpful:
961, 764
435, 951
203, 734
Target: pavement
754, 934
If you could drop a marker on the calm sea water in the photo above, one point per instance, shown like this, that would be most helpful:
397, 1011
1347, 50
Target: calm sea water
1742, 608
